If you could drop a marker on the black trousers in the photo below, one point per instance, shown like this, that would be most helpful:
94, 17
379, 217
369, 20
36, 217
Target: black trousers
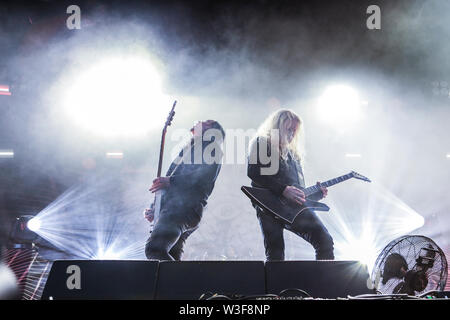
307, 225
174, 226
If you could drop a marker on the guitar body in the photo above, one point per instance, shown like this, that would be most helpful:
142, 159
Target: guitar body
285, 209
157, 205
279, 206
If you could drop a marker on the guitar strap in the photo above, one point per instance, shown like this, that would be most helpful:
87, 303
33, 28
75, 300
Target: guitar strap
300, 177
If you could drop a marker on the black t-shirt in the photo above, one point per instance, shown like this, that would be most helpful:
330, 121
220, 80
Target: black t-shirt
191, 184
289, 173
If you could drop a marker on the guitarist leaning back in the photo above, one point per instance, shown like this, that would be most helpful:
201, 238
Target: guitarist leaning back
188, 184
279, 134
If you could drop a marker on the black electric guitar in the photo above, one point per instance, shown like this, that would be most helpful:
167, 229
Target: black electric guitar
287, 210
156, 205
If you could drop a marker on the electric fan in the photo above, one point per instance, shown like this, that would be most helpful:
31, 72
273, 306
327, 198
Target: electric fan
410, 265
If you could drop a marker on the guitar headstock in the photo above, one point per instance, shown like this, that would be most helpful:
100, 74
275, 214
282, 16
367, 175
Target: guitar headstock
170, 116
360, 176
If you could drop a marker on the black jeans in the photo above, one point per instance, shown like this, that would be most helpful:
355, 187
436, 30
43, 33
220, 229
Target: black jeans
174, 226
307, 225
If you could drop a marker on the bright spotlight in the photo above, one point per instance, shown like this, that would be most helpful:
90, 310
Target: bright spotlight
6, 154
414, 222
385, 218
22, 231
4, 90
117, 96
114, 155
107, 255
34, 224
101, 231
362, 247
339, 105
353, 155
361, 251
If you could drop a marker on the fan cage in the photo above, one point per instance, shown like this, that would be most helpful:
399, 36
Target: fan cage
410, 248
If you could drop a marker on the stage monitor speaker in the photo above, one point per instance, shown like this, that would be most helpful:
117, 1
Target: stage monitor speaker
190, 279
320, 279
101, 279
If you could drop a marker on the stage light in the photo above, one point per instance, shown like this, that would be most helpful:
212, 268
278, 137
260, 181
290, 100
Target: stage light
414, 222
362, 250
106, 255
21, 231
353, 155
114, 155
101, 227
6, 154
339, 105
361, 246
362, 232
448, 155
117, 96
34, 224
8, 283
4, 90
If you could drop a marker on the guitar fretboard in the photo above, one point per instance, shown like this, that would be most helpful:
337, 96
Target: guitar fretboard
313, 189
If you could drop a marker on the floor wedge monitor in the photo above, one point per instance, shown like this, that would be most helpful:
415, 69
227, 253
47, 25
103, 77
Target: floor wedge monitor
191, 279
101, 279
318, 279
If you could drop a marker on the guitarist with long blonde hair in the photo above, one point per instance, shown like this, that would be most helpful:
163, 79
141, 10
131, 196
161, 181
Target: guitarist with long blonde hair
278, 137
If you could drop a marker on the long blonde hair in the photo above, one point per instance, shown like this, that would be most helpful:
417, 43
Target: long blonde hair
274, 122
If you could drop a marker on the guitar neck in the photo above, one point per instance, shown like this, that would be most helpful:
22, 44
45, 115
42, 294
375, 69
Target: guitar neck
313, 189
163, 138
161, 153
